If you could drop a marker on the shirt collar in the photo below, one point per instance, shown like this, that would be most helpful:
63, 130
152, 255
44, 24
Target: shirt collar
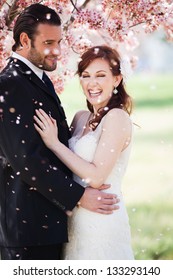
35, 69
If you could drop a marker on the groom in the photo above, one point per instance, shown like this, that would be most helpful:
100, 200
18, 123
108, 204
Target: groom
36, 188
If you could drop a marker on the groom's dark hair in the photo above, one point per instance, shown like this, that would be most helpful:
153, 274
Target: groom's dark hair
30, 18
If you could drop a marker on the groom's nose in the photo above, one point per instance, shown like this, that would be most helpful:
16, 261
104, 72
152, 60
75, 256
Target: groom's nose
56, 51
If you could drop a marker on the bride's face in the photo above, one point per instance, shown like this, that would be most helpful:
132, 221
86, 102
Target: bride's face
98, 83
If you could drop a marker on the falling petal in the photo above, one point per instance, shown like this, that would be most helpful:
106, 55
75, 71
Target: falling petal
45, 227
56, 51
106, 108
28, 72
33, 178
87, 180
113, 62
12, 110
46, 51
14, 73
2, 98
48, 16
96, 50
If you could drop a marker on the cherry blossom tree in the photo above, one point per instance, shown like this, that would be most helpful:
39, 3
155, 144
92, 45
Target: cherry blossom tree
84, 21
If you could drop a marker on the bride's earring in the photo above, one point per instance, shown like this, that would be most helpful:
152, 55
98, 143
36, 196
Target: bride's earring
115, 91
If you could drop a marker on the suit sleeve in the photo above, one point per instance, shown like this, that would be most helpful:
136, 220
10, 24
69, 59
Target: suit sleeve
23, 149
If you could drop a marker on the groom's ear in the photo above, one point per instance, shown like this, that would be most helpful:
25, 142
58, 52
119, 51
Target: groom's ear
25, 41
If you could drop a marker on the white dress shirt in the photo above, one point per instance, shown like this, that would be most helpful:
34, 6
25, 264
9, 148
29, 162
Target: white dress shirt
35, 69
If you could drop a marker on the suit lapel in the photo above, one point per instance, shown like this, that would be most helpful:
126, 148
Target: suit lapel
27, 72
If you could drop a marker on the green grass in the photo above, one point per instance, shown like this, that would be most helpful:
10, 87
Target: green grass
152, 231
148, 184
151, 92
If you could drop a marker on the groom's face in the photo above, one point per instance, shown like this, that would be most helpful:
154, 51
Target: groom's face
45, 50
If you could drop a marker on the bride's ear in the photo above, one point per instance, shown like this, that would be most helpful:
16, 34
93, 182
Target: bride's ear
118, 80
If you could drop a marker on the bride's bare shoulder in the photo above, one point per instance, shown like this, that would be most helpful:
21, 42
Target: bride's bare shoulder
117, 118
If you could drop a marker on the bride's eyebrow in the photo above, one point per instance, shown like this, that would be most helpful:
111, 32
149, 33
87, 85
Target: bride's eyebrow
96, 72
101, 71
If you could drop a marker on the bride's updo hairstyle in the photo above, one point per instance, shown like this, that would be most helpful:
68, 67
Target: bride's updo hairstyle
119, 100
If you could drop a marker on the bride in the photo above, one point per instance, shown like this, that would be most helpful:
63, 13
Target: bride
99, 151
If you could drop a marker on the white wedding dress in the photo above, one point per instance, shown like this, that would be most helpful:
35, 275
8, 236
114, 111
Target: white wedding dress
96, 236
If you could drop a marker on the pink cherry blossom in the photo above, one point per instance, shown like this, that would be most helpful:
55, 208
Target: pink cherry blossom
116, 21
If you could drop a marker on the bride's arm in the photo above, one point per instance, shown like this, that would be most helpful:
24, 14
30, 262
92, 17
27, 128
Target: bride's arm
116, 133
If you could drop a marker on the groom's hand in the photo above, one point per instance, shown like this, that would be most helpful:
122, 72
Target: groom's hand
100, 202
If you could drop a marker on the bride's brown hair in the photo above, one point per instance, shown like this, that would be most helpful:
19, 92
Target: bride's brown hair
120, 100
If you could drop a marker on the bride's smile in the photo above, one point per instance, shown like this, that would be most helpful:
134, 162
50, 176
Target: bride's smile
98, 82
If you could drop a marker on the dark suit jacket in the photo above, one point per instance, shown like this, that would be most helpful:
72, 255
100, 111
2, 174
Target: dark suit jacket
35, 186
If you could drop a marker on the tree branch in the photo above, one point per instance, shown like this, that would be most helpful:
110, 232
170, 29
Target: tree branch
74, 5
12, 13
67, 24
85, 4
2, 2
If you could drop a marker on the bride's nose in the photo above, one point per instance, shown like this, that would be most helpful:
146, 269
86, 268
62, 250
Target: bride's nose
92, 81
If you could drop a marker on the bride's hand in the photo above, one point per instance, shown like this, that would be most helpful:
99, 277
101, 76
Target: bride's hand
47, 128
